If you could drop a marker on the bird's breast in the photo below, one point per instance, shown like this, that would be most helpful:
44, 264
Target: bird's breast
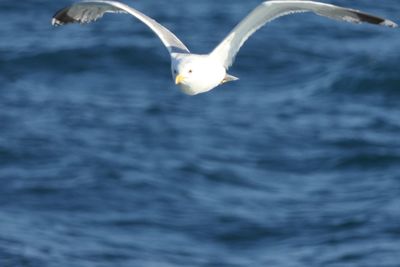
189, 90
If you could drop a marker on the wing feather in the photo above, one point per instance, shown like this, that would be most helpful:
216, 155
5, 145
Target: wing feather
226, 51
90, 11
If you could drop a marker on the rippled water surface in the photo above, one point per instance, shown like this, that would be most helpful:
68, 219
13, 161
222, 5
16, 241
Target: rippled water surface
103, 162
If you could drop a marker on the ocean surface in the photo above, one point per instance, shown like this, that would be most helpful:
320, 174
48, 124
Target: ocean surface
105, 163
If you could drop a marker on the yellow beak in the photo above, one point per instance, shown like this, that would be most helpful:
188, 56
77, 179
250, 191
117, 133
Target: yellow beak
179, 79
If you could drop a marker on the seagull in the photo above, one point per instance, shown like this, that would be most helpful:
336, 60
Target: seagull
195, 73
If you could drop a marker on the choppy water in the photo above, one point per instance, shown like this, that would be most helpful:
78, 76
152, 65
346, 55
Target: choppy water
103, 162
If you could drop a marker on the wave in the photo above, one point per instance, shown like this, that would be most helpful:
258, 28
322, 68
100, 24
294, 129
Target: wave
368, 161
81, 59
366, 75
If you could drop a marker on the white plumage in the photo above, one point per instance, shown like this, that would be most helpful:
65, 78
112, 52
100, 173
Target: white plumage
200, 73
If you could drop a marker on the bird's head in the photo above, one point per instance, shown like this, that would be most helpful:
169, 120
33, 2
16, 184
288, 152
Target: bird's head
197, 74
187, 72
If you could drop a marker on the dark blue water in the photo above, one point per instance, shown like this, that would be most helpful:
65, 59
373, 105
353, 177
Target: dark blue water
103, 162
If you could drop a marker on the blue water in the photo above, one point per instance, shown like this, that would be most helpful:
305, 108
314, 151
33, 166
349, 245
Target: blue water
103, 162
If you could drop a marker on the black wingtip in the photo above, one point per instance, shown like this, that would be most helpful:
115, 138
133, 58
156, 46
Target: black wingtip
61, 17
375, 20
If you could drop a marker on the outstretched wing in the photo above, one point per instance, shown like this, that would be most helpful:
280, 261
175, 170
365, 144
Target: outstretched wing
89, 11
226, 51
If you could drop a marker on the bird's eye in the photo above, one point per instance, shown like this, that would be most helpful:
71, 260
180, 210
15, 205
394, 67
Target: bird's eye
190, 71
175, 72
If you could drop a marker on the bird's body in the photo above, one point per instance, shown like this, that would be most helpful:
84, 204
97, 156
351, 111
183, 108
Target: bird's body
189, 69
197, 74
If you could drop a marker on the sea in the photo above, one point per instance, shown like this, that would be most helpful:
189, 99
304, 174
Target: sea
105, 163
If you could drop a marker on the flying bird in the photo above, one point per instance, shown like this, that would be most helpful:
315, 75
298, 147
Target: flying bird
196, 73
